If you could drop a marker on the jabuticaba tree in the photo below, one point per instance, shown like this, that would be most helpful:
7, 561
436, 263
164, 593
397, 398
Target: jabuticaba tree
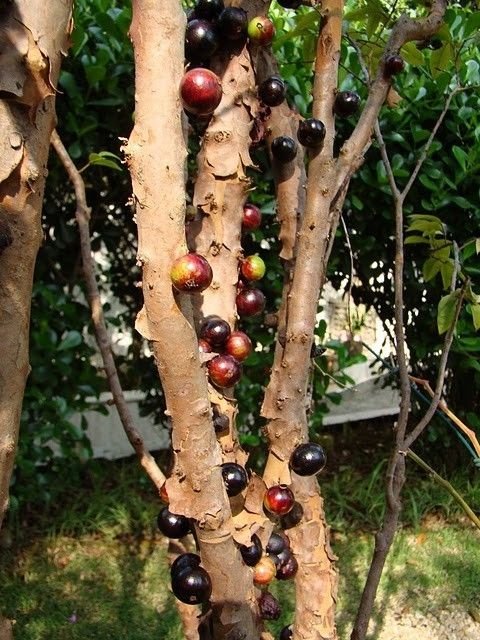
200, 288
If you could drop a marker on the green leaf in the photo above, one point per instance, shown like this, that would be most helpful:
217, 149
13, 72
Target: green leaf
416, 240
431, 267
103, 159
446, 312
440, 59
71, 340
446, 271
413, 55
477, 245
475, 309
460, 156
426, 226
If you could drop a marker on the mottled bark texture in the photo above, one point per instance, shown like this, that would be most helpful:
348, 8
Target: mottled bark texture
157, 165
33, 39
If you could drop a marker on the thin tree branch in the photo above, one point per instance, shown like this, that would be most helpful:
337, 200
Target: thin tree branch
82, 215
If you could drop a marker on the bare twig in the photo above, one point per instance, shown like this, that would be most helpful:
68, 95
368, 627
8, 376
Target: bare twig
82, 215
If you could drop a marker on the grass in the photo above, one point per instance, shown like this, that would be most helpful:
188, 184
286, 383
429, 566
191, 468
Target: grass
91, 565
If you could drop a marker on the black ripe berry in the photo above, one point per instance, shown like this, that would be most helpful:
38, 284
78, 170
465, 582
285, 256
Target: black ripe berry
286, 633
284, 149
252, 554
272, 91
235, 478
192, 586
288, 569
393, 64
269, 606
184, 561
308, 459
346, 103
201, 40
290, 4
172, 525
209, 9
215, 331
232, 23
311, 133
276, 544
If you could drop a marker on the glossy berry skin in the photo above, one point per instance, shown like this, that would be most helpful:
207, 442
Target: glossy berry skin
224, 371
209, 9
192, 586
261, 30
308, 459
252, 554
289, 4
215, 331
238, 345
284, 149
172, 525
191, 273
286, 633
201, 91
250, 302
393, 64
311, 133
201, 40
234, 477
252, 217
204, 346
232, 23
253, 268
279, 499
287, 570
264, 571
276, 544
346, 103
184, 561
268, 606
272, 91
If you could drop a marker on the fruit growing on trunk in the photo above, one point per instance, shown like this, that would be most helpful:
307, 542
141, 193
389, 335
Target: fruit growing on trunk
172, 525
224, 371
286, 633
311, 133
238, 345
234, 477
232, 23
253, 268
269, 606
393, 64
284, 149
308, 459
192, 586
201, 91
201, 40
264, 571
215, 331
191, 273
220, 422
252, 217
276, 544
204, 346
346, 103
184, 561
250, 302
288, 569
261, 30
279, 499
272, 91
252, 554
209, 9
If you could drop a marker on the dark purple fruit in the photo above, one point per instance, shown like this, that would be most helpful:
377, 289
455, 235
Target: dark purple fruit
235, 478
215, 331
269, 606
201, 40
172, 525
192, 586
290, 4
232, 23
221, 423
284, 149
209, 9
184, 561
311, 133
276, 544
346, 103
308, 459
250, 302
393, 64
224, 371
252, 554
286, 633
287, 570
272, 91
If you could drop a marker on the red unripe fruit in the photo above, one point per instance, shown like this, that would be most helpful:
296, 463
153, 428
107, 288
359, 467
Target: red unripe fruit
191, 273
253, 268
261, 30
204, 346
393, 64
264, 571
250, 302
224, 371
252, 217
201, 91
238, 345
279, 499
